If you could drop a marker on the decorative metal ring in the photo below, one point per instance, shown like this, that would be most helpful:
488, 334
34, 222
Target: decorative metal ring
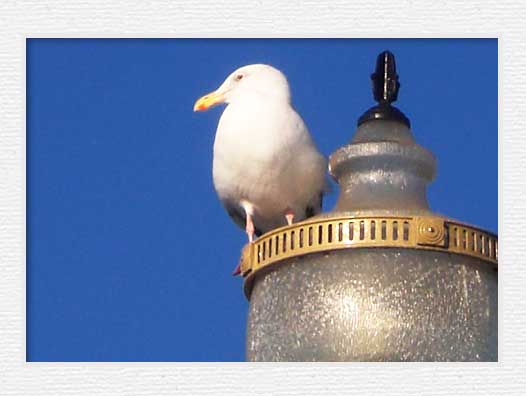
412, 232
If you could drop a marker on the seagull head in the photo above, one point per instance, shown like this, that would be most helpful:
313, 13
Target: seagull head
262, 80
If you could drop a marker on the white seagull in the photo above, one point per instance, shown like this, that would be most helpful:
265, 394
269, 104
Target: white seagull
266, 168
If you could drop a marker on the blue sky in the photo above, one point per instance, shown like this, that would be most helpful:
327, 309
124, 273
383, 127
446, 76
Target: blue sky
129, 250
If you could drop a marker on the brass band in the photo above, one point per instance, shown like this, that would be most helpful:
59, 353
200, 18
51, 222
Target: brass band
414, 232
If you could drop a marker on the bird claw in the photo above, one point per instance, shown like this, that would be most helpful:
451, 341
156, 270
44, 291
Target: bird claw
237, 270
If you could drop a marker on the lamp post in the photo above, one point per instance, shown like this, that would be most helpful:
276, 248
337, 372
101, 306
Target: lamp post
381, 277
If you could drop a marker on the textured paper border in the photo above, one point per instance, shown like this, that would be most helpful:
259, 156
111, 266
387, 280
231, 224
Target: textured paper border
21, 19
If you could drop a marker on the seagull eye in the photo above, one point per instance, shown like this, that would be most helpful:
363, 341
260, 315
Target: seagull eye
238, 77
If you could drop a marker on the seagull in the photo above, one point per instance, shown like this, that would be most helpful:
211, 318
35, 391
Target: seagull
267, 170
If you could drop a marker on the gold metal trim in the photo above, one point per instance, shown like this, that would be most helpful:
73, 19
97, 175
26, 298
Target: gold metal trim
413, 232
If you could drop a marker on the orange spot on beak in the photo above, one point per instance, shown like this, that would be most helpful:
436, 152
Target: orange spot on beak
209, 100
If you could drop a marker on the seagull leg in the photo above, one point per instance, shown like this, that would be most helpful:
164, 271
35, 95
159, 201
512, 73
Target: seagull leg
250, 232
289, 215
249, 212
249, 228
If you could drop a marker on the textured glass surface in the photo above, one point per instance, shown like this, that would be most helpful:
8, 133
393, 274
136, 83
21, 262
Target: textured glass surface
382, 169
375, 305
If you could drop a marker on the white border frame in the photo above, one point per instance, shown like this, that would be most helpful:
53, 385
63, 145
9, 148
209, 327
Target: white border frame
403, 18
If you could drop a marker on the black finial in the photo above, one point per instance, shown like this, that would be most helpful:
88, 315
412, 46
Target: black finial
385, 79
385, 91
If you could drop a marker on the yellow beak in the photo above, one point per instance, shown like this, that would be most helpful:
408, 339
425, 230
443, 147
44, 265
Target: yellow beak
209, 100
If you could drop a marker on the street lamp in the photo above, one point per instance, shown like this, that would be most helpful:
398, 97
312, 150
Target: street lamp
380, 277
